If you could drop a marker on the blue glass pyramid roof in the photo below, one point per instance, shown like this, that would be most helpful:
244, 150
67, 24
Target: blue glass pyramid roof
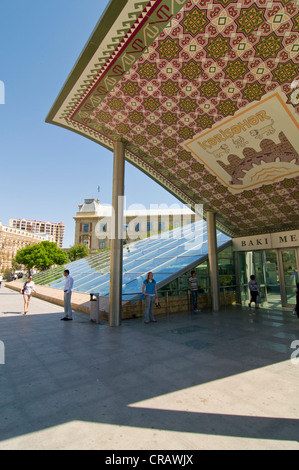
166, 255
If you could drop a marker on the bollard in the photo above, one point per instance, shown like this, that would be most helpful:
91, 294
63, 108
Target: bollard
94, 307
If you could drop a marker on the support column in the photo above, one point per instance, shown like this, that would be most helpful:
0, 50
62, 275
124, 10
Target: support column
213, 260
116, 248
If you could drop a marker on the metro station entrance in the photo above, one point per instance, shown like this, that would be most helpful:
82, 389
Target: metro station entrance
276, 271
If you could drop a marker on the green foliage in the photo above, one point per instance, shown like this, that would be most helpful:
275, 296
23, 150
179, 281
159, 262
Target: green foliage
77, 252
41, 256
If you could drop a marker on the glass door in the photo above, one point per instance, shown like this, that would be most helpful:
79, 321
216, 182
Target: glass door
259, 271
290, 276
273, 293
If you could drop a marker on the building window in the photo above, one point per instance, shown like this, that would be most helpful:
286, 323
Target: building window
85, 228
161, 226
102, 244
103, 227
148, 226
137, 227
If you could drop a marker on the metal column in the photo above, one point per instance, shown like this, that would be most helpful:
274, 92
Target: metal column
116, 260
213, 260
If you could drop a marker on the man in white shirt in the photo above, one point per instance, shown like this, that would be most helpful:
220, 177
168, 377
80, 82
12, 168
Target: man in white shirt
67, 296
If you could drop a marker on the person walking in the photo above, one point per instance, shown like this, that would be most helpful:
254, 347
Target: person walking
254, 291
27, 292
193, 286
149, 290
68, 285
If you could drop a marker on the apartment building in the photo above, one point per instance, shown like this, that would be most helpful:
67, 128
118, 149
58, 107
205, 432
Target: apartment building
14, 239
55, 230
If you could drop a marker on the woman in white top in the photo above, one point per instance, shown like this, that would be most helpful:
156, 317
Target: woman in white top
27, 291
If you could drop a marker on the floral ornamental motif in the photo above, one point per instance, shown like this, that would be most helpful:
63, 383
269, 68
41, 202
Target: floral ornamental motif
186, 133
254, 91
102, 116
140, 139
169, 118
154, 130
184, 155
170, 163
130, 88
116, 103
169, 142
156, 151
197, 167
209, 89
218, 47
123, 128
191, 70
195, 22
169, 89
286, 72
148, 71
269, 47
188, 105
151, 104
136, 117
205, 121
236, 70
227, 108
250, 20
183, 174
169, 49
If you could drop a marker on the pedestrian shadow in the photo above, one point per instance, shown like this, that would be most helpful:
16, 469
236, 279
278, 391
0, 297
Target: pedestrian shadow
12, 313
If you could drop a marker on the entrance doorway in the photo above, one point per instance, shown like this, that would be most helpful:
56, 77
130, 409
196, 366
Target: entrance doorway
290, 276
276, 273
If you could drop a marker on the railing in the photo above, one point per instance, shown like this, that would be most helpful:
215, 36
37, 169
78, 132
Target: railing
185, 293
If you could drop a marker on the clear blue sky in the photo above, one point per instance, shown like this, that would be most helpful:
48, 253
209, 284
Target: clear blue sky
46, 171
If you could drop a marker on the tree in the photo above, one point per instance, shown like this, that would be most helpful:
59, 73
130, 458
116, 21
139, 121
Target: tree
41, 256
77, 252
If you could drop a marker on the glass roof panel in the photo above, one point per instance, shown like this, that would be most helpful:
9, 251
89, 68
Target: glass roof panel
163, 254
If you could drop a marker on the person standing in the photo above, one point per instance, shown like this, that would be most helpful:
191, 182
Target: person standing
254, 291
27, 292
149, 290
193, 286
1, 279
68, 285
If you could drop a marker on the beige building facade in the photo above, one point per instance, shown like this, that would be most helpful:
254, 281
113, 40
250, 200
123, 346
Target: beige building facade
93, 223
12, 240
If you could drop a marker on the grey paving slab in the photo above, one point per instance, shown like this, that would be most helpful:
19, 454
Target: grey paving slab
207, 381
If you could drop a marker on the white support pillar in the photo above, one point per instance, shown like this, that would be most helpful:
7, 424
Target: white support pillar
116, 249
213, 260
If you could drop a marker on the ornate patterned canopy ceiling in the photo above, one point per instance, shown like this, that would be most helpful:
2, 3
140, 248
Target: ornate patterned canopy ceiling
206, 96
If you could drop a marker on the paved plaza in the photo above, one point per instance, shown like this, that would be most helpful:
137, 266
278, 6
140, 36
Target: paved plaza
191, 381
